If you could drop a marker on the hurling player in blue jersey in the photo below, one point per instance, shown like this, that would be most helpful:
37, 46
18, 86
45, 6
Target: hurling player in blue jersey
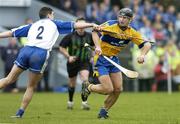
110, 44
41, 36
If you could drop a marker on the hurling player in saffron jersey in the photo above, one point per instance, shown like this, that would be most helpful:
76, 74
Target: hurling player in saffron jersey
41, 36
110, 44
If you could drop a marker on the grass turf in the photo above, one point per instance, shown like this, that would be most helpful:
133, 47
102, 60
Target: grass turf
131, 108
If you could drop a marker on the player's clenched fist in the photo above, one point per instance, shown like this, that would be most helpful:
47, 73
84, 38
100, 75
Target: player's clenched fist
98, 50
96, 27
140, 59
72, 59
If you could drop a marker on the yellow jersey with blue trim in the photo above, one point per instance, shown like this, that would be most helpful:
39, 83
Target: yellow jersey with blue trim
113, 43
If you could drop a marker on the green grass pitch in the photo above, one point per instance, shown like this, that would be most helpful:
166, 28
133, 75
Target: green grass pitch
131, 108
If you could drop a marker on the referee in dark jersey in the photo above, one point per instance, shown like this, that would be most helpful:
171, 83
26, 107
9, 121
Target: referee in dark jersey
72, 47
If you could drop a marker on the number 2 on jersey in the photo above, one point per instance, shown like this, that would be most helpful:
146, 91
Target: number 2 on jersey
40, 29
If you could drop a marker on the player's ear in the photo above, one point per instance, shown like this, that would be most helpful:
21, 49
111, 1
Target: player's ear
130, 20
133, 17
48, 16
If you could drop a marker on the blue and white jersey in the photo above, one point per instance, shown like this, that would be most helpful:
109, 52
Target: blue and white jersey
43, 33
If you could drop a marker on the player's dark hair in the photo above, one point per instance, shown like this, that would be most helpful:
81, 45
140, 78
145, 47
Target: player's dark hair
125, 12
44, 11
80, 19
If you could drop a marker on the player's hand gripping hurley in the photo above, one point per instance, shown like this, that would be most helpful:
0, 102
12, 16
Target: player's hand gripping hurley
128, 73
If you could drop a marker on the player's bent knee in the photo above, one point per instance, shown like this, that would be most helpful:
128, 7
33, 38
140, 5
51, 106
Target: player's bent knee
118, 90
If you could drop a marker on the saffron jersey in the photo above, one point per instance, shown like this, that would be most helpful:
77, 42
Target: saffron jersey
113, 43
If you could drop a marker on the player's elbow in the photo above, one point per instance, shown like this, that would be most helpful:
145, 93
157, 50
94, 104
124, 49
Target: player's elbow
76, 25
61, 49
10, 34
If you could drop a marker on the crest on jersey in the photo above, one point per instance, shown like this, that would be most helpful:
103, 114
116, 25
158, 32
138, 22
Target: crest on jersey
121, 41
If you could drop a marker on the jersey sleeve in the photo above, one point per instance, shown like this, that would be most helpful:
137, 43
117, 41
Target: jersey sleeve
64, 27
21, 31
65, 41
137, 38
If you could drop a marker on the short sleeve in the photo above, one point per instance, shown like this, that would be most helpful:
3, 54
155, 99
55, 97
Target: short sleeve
65, 41
137, 38
64, 27
21, 31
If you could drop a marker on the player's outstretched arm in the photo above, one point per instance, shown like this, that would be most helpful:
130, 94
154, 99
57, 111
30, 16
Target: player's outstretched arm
85, 25
6, 34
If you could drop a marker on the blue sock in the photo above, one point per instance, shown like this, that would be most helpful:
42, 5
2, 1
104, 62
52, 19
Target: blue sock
103, 111
20, 112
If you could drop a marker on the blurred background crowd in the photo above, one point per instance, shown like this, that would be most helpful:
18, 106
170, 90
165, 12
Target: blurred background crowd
157, 20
